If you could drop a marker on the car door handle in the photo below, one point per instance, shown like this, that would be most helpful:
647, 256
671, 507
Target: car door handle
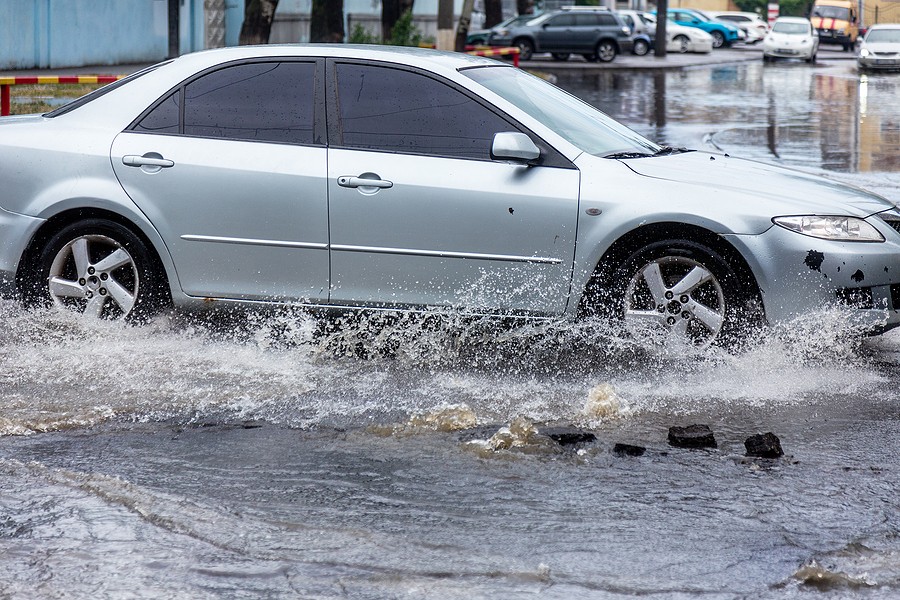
358, 182
148, 160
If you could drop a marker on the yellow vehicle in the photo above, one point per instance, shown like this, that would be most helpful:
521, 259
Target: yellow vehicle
836, 21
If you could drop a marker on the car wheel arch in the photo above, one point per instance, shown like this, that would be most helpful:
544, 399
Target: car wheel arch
58, 222
632, 241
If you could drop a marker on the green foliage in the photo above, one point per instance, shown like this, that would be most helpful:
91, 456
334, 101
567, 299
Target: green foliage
360, 35
794, 8
404, 32
760, 7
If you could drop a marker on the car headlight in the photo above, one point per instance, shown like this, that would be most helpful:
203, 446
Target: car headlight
839, 229
864, 53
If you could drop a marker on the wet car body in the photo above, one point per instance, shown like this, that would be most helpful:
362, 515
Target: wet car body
529, 203
880, 49
791, 37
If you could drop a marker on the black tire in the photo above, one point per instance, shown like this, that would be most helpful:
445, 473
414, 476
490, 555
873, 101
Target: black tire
118, 278
718, 39
684, 44
641, 47
560, 56
606, 51
526, 48
682, 290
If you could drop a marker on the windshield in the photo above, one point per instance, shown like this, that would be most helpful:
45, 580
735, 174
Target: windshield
883, 36
832, 12
791, 28
578, 122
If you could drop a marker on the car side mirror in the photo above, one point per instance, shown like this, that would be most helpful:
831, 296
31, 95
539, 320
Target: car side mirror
515, 146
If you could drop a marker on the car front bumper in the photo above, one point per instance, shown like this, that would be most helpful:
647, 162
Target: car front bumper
799, 275
792, 52
15, 232
879, 62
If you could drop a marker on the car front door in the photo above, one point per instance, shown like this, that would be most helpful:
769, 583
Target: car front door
230, 169
421, 215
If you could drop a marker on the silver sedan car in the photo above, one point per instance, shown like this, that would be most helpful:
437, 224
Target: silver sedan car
356, 178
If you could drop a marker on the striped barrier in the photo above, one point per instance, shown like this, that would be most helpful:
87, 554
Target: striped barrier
490, 51
7, 82
486, 51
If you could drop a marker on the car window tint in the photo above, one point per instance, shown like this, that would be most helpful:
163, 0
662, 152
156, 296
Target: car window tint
607, 20
586, 20
393, 110
164, 118
271, 102
562, 21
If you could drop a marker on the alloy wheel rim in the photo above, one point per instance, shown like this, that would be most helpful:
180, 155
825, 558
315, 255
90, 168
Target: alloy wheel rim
94, 275
675, 299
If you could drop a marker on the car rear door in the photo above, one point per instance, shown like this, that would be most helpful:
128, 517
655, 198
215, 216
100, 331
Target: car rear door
421, 215
230, 169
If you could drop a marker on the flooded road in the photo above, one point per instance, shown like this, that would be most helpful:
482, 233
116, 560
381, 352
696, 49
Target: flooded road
268, 457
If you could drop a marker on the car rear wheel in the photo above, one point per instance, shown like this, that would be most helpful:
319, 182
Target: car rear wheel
718, 39
684, 44
99, 268
560, 56
679, 293
526, 48
606, 51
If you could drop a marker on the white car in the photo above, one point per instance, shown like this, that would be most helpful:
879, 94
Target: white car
881, 48
684, 39
751, 23
791, 37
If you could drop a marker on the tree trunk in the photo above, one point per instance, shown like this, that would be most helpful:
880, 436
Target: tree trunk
258, 16
390, 13
524, 7
493, 13
326, 23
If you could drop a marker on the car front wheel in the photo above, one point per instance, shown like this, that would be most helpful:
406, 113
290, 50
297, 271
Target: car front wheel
718, 39
681, 293
99, 268
606, 51
641, 47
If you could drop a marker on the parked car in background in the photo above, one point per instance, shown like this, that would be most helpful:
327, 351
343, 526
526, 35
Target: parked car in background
684, 39
791, 37
723, 34
880, 49
753, 25
481, 37
643, 30
408, 179
595, 33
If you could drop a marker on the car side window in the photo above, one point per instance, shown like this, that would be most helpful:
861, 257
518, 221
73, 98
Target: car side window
394, 110
562, 21
259, 101
607, 20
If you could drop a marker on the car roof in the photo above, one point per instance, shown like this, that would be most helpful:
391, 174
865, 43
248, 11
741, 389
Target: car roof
420, 57
884, 26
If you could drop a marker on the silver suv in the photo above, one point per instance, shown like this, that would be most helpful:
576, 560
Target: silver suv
596, 34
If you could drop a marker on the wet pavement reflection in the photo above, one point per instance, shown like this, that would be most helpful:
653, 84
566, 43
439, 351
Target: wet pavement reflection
824, 117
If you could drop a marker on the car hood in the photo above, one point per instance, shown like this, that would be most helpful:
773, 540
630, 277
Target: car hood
883, 47
773, 190
788, 38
